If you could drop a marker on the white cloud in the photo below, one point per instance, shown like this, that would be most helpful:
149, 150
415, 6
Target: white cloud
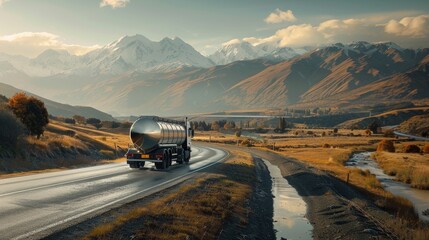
415, 27
279, 16
3, 1
408, 31
231, 42
31, 44
113, 3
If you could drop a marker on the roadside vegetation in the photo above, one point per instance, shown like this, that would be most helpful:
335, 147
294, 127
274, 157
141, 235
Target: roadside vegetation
199, 210
407, 162
329, 149
30, 141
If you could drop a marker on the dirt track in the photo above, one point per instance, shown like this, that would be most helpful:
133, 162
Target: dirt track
336, 210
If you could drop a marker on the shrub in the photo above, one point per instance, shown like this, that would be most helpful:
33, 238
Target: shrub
335, 130
93, 121
110, 124
238, 133
412, 148
389, 133
368, 132
426, 148
247, 143
10, 129
386, 146
326, 145
70, 121
30, 111
79, 119
261, 130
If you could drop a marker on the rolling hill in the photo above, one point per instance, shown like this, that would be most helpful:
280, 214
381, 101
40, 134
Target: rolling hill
59, 109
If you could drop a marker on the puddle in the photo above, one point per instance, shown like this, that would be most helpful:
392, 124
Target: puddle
420, 198
289, 209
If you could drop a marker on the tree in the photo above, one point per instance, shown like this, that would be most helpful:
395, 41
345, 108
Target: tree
70, 121
110, 124
368, 132
31, 112
126, 124
93, 121
238, 133
229, 125
10, 129
374, 126
215, 126
386, 145
79, 119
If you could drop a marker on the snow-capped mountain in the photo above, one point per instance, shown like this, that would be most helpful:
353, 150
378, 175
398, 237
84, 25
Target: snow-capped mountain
129, 53
367, 48
138, 53
242, 50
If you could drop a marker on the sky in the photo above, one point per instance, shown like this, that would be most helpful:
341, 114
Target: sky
28, 27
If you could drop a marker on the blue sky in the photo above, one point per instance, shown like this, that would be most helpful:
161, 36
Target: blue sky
29, 26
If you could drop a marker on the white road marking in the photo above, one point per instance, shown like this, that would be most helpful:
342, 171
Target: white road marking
32, 233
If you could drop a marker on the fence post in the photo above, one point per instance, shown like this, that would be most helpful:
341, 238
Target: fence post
116, 151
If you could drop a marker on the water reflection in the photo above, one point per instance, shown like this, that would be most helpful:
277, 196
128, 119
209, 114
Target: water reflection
289, 208
420, 198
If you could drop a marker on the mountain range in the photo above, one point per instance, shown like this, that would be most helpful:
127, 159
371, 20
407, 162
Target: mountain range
134, 76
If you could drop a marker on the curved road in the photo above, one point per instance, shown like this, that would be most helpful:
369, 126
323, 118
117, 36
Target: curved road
38, 205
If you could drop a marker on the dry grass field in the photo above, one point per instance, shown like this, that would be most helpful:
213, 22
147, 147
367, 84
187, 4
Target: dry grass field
329, 153
412, 168
195, 211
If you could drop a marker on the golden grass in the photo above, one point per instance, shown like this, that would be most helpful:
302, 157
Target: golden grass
70, 145
197, 210
406, 167
386, 145
426, 148
329, 153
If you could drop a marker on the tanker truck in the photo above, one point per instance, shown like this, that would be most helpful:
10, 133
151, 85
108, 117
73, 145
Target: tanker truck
159, 140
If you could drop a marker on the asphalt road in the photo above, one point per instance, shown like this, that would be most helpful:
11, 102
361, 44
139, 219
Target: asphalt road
35, 206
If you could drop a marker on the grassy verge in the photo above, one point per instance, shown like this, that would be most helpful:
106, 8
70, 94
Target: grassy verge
198, 210
412, 168
62, 146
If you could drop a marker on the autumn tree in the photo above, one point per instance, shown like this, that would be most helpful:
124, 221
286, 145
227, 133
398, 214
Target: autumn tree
215, 126
31, 112
79, 119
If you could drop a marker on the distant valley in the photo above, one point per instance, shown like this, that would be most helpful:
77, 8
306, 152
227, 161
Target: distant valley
136, 76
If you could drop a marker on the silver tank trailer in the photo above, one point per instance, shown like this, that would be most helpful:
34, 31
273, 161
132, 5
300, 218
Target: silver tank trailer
149, 133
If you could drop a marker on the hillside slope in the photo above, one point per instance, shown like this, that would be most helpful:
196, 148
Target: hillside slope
389, 118
59, 109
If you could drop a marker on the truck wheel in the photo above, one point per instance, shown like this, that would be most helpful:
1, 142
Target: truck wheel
187, 156
164, 163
